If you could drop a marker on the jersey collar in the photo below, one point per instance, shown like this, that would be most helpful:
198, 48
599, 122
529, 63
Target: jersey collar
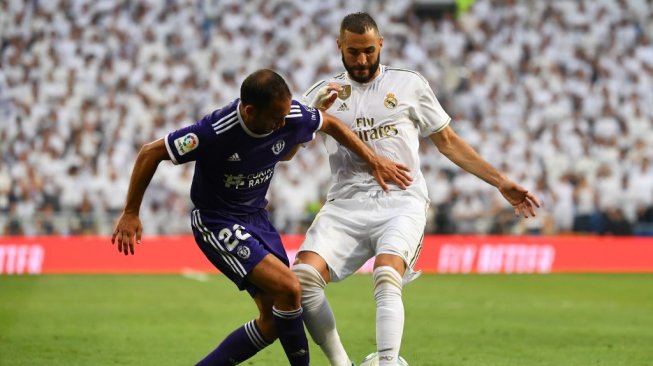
247, 130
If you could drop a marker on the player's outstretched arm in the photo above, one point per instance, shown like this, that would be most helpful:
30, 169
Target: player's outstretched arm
383, 169
463, 155
128, 229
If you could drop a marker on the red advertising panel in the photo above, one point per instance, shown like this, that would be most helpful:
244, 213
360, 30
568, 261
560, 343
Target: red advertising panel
537, 254
440, 254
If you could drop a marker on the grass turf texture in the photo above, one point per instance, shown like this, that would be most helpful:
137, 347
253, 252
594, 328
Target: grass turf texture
451, 320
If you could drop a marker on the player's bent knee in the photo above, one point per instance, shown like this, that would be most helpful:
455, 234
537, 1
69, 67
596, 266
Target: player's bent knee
308, 276
312, 285
289, 291
314, 260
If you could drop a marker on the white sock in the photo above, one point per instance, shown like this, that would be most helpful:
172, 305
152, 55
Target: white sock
318, 316
389, 314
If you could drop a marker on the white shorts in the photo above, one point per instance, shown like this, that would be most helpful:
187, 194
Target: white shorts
348, 232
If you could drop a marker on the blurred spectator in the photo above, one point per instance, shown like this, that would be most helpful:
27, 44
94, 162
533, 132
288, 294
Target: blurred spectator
585, 207
467, 213
563, 206
615, 223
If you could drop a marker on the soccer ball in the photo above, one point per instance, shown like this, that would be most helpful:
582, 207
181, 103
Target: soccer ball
373, 360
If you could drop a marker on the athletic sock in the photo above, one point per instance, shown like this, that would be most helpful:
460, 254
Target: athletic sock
318, 316
240, 345
389, 314
290, 329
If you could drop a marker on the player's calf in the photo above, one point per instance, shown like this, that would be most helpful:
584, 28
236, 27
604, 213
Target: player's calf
287, 317
318, 315
389, 313
290, 328
239, 346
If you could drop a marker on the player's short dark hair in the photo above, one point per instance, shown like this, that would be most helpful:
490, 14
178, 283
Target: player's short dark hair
358, 23
261, 87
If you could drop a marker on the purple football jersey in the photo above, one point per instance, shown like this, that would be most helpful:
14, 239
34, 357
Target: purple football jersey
233, 165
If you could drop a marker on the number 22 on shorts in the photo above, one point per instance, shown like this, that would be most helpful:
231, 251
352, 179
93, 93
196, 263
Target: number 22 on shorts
225, 235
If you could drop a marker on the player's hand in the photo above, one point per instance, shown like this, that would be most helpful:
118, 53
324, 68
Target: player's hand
522, 201
326, 96
387, 170
128, 231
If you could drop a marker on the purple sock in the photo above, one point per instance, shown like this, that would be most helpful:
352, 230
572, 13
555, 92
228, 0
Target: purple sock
240, 345
290, 329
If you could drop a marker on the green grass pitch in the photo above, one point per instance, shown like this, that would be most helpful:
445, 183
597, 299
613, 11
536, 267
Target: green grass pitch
451, 320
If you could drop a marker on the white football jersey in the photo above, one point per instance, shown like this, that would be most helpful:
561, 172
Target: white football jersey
389, 114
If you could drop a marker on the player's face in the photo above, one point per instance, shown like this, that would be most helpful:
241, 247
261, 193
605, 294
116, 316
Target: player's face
361, 54
273, 117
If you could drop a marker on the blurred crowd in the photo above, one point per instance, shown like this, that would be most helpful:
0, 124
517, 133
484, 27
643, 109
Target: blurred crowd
557, 94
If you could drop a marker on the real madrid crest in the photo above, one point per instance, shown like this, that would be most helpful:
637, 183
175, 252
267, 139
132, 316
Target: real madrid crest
278, 147
390, 101
345, 92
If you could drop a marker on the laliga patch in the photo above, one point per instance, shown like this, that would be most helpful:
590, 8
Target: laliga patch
186, 143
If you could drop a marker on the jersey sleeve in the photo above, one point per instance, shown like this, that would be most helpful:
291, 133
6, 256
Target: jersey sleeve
307, 119
429, 115
188, 143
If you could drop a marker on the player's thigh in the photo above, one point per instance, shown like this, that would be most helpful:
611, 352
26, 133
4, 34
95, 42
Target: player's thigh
402, 230
236, 248
339, 235
274, 277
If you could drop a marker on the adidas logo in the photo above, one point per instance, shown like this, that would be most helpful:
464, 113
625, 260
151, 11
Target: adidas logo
343, 107
234, 157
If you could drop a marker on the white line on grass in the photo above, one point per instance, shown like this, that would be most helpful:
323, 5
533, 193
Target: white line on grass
195, 275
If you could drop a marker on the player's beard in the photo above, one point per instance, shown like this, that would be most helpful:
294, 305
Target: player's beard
371, 70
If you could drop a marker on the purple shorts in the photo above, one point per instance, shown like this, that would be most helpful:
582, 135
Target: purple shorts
236, 244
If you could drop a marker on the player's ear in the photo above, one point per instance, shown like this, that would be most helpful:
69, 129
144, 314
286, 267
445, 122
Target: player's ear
380, 42
249, 111
339, 44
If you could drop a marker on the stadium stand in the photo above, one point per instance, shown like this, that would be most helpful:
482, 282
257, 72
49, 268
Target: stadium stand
558, 94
